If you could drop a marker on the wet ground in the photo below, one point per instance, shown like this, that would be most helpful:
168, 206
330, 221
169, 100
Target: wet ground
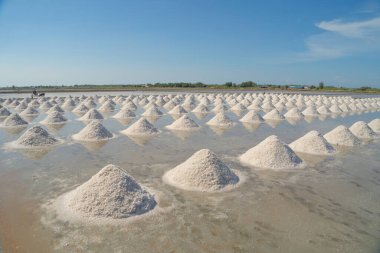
333, 205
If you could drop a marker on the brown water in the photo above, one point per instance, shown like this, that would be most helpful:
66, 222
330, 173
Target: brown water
330, 206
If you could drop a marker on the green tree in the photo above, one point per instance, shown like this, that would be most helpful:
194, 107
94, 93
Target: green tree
321, 85
248, 84
228, 84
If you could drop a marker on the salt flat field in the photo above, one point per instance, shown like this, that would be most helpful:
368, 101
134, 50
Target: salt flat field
190, 172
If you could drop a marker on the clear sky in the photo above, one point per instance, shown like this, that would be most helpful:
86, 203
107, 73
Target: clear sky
211, 41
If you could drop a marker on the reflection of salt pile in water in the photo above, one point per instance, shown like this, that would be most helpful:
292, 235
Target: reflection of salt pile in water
183, 123
4, 112
14, 120
375, 125
124, 113
361, 130
92, 114
140, 127
54, 118
252, 117
220, 120
94, 131
203, 171
35, 137
272, 153
342, 136
312, 143
112, 193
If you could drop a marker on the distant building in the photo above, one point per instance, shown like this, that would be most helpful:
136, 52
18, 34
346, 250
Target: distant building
296, 87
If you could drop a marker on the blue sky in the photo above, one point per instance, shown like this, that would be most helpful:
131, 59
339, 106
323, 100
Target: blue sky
211, 41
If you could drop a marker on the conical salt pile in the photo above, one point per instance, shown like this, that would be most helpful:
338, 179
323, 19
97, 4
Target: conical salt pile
124, 114
274, 115
178, 109
323, 110
252, 117
220, 120
81, 108
312, 143
46, 105
310, 111
111, 193
92, 114
220, 108
35, 137
375, 125
361, 130
108, 106
4, 112
54, 118
238, 107
94, 131
272, 153
14, 120
29, 111
55, 108
342, 136
203, 171
152, 111
140, 127
201, 109
183, 123
293, 113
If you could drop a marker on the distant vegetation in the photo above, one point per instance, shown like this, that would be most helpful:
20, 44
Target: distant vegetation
247, 85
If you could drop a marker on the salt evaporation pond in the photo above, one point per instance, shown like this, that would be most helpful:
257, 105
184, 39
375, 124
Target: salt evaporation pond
331, 205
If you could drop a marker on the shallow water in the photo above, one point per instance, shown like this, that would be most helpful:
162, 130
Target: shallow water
333, 205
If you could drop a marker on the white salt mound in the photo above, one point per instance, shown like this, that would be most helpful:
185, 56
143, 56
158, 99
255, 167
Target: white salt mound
220, 120
201, 108
183, 123
35, 137
375, 125
252, 117
203, 171
112, 193
92, 114
124, 113
94, 131
14, 120
272, 153
312, 143
274, 115
342, 136
54, 118
294, 113
81, 108
140, 127
29, 111
361, 130
4, 112
152, 111
178, 109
